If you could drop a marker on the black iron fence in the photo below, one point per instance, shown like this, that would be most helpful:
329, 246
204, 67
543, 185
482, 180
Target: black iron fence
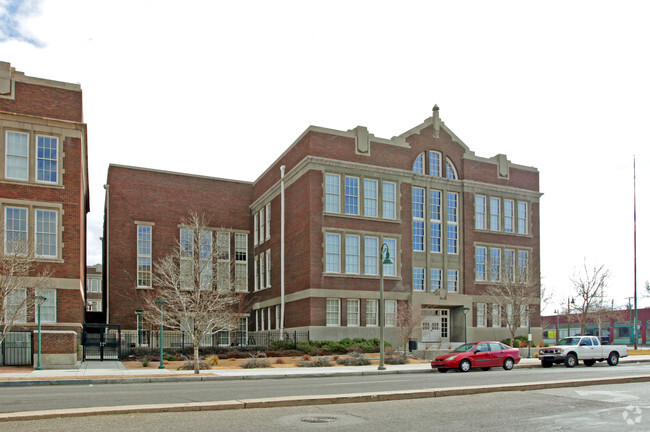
133, 342
17, 349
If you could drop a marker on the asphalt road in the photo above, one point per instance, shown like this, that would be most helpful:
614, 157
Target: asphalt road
57, 397
594, 409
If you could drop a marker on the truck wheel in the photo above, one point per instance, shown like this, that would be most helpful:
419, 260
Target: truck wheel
612, 360
547, 364
570, 361
589, 362
465, 366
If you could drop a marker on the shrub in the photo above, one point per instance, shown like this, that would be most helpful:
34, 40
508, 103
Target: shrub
212, 360
354, 359
282, 345
145, 362
396, 360
279, 361
319, 362
170, 357
189, 365
256, 363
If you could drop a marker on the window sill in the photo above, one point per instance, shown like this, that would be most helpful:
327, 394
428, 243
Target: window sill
143, 288
34, 183
360, 217
360, 276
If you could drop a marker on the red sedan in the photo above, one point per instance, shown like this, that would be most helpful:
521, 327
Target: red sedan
478, 354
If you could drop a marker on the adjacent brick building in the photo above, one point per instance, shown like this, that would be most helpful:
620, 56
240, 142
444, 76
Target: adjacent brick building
44, 199
454, 224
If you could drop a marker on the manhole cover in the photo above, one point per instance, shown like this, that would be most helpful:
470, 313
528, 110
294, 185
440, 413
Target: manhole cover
319, 419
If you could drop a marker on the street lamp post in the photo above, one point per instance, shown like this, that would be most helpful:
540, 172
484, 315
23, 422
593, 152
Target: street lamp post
530, 336
385, 252
557, 325
569, 302
161, 304
39, 301
138, 314
465, 310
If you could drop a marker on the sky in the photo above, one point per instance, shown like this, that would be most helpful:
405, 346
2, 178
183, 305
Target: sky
222, 88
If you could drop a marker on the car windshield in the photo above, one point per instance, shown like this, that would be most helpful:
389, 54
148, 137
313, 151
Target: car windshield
465, 348
569, 341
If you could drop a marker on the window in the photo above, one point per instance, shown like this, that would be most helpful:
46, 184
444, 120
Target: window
16, 307
268, 221
205, 260
418, 279
371, 255
495, 265
352, 254
94, 306
332, 192
450, 170
522, 262
46, 233
452, 223
353, 313
262, 271
496, 315
241, 262
95, 285
434, 164
268, 268
495, 207
351, 195
479, 212
187, 258
277, 317
371, 313
332, 253
418, 164
370, 198
262, 225
481, 316
523, 316
333, 312
144, 256
15, 230
436, 280
418, 219
256, 283
452, 280
255, 228
481, 263
48, 307
390, 315
435, 223
508, 215
388, 200
46, 159
509, 315
223, 257
389, 269
17, 155
509, 265
522, 217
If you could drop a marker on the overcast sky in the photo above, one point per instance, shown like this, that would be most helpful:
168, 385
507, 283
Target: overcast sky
223, 88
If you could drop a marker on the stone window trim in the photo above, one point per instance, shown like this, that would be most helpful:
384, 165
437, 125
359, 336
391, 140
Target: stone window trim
32, 157
340, 196
31, 207
504, 266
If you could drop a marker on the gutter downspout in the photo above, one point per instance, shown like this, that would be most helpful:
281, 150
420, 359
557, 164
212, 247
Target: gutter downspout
281, 252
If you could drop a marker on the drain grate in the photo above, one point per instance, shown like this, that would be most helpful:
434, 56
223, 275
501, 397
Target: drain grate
319, 419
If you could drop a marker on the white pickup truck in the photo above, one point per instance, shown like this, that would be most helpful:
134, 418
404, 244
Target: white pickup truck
586, 348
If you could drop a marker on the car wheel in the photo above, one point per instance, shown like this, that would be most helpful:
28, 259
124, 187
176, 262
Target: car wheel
442, 370
508, 364
465, 366
612, 360
589, 362
486, 368
570, 361
547, 364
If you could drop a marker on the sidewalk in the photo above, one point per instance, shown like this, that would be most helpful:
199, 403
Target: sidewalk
108, 372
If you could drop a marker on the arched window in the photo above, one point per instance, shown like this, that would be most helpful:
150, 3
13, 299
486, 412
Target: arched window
434, 164
451, 170
418, 165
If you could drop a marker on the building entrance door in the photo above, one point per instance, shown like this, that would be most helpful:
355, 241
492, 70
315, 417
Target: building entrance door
435, 325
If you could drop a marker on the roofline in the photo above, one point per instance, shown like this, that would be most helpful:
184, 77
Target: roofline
176, 173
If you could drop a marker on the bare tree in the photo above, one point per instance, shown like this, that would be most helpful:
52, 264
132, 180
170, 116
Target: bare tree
513, 289
589, 288
196, 284
408, 319
21, 276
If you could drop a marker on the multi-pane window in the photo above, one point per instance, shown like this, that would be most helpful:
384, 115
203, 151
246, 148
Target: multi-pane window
452, 223
390, 314
262, 271
495, 264
205, 259
262, 225
496, 315
144, 256
389, 269
268, 221
256, 278
434, 164
388, 195
351, 195
268, 268
333, 312
508, 215
352, 254
332, 253
481, 263
48, 307
15, 230
15, 306
94, 306
241, 262
450, 170
255, 228
509, 315
452, 280
371, 255
370, 195
495, 214
353, 315
522, 263
436, 279
481, 315
418, 279
17, 155
418, 219
46, 159
479, 212
522, 217
187, 256
46, 233
523, 316
95, 285
418, 164
332, 193
509, 265
435, 224
371, 313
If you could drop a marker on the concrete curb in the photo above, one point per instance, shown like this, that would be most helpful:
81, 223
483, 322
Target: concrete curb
314, 400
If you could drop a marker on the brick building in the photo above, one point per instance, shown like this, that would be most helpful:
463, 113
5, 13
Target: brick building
44, 199
94, 295
454, 223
